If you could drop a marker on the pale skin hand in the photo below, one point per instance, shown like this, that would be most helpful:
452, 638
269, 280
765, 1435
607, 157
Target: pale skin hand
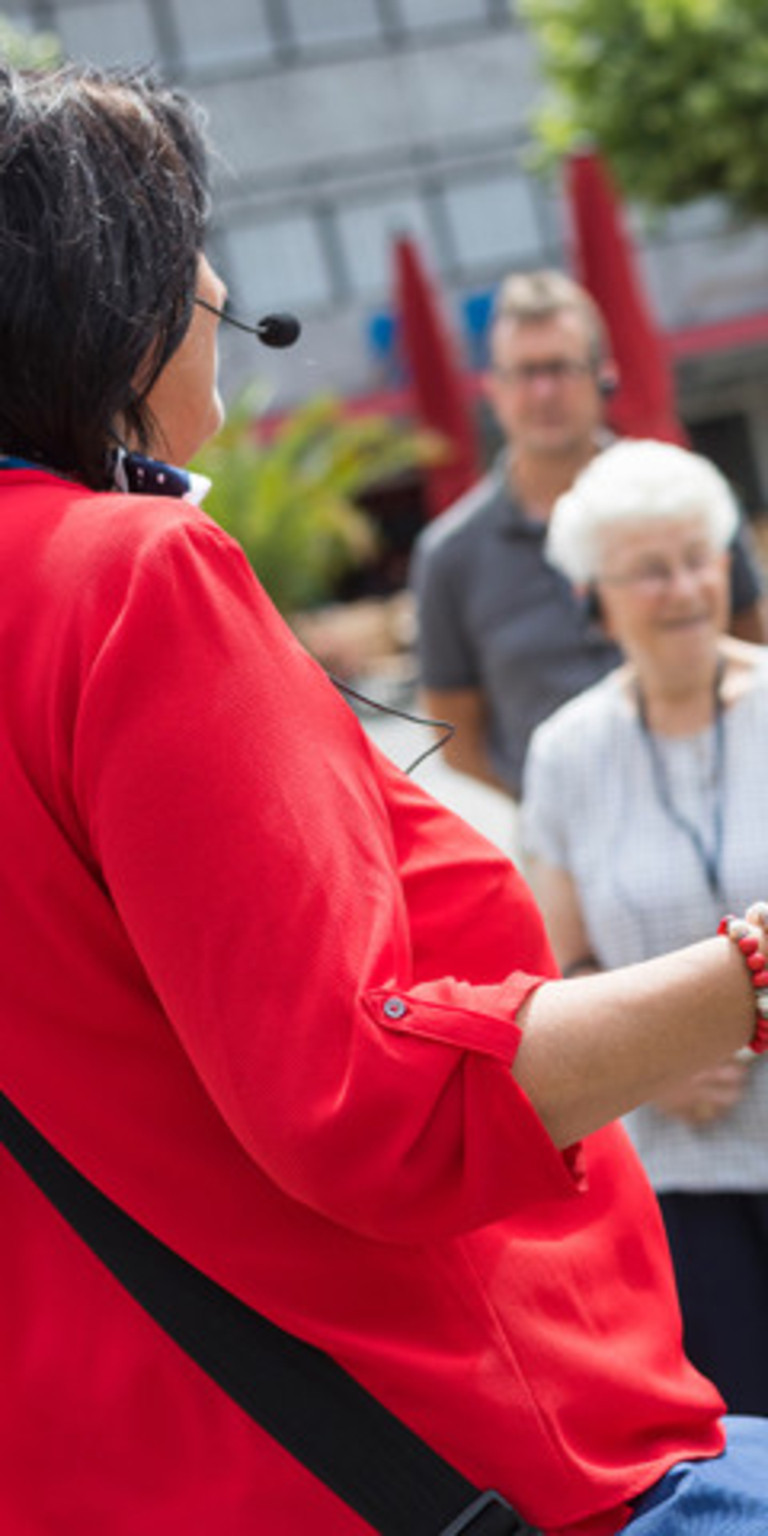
706, 1096
699, 1098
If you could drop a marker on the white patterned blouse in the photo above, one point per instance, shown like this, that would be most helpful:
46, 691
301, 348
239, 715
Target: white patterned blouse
592, 807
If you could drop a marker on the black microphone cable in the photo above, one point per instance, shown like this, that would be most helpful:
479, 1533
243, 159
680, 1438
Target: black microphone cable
282, 330
448, 730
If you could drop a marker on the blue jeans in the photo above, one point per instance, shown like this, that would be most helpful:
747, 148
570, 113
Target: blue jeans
725, 1496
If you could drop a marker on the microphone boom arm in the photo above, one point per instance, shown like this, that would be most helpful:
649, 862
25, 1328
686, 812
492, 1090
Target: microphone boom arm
278, 330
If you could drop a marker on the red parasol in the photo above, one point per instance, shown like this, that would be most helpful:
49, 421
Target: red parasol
438, 387
644, 403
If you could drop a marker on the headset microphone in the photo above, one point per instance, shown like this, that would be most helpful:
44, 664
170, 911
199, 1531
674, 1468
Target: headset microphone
279, 330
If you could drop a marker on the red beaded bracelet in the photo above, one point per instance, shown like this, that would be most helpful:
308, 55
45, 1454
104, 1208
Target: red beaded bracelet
743, 935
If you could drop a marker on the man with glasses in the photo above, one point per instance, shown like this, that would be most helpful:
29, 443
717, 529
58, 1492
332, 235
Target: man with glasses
503, 640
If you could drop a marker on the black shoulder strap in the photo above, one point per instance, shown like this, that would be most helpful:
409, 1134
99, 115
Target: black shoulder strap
298, 1394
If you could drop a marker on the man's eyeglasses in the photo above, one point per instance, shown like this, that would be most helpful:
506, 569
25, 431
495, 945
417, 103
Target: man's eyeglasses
556, 370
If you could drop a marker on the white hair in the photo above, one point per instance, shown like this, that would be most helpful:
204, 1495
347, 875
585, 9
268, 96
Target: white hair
629, 483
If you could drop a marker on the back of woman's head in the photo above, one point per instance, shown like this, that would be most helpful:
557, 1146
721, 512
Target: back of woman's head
103, 202
629, 483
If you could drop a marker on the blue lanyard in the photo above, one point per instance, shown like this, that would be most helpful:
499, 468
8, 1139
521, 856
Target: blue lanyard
9, 461
710, 859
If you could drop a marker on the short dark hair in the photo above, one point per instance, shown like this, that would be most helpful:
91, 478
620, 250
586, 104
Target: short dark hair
103, 206
527, 297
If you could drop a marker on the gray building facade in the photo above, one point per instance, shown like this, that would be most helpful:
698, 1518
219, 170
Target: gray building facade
339, 123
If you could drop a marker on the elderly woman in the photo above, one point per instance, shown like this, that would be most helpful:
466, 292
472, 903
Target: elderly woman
288, 1013
646, 814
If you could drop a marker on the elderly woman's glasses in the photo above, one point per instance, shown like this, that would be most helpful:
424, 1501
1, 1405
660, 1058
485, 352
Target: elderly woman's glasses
653, 577
280, 330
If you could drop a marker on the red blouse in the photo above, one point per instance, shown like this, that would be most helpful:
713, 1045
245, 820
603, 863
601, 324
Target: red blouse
262, 989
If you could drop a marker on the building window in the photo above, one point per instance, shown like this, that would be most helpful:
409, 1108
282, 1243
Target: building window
219, 32
420, 14
120, 32
281, 262
367, 232
493, 220
334, 21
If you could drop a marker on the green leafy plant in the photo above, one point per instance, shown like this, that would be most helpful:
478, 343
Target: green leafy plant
672, 92
291, 502
27, 50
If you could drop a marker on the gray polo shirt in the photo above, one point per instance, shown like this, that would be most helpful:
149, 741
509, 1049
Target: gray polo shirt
494, 615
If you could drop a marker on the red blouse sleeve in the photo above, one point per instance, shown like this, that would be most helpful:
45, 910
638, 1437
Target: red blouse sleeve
247, 839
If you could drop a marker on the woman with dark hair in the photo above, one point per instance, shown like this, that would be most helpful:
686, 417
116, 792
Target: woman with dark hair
103, 204
291, 1015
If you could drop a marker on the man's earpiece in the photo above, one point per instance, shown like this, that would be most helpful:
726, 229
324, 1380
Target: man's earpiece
607, 383
592, 607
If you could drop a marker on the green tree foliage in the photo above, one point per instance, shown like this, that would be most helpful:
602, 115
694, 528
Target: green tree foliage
27, 50
291, 502
674, 93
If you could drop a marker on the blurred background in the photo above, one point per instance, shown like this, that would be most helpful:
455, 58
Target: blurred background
342, 123
357, 136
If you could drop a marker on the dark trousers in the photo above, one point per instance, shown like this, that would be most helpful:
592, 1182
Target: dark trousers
719, 1246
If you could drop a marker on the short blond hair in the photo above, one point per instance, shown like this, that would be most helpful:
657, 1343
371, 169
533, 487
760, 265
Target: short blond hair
529, 297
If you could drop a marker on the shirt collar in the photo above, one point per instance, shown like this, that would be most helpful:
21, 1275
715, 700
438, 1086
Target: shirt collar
509, 513
143, 476
137, 474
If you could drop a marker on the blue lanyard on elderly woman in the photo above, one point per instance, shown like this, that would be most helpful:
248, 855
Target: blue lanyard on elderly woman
710, 858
